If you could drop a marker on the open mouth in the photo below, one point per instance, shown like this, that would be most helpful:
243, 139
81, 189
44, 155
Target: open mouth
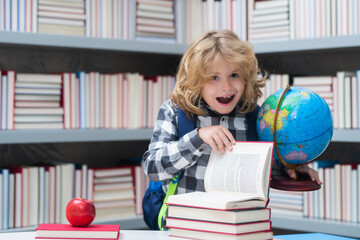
225, 100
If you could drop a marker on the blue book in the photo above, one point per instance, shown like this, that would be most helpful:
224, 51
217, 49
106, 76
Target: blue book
5, 200
81, 75
311, 236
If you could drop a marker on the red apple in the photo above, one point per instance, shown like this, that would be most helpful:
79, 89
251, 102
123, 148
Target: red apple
80, 212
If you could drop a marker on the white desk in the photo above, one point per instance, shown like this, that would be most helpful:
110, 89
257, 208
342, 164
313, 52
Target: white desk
159, 235
124, 235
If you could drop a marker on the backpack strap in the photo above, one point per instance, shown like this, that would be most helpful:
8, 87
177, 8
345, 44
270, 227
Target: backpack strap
251, 117
185, 125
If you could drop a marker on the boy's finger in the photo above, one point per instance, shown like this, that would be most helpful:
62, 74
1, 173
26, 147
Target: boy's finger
220, 145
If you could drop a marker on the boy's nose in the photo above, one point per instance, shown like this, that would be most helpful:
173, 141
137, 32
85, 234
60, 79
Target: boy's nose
226, 85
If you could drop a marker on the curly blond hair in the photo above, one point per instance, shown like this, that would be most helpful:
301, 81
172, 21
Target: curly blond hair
193, 72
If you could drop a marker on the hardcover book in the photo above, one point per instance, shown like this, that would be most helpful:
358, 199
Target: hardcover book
218, 227
67, 231
230, 216
184, 233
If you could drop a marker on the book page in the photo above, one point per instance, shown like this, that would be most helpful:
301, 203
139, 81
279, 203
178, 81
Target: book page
244, 170
216, 200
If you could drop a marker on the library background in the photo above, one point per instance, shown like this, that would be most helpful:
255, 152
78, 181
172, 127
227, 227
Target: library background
82, 81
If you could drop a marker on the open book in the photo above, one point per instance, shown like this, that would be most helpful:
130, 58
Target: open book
235, 180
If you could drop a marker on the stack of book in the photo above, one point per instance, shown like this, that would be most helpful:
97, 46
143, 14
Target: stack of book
155, 20
234, 204
269, 21
206, 223
67, 231
37, 101
113, 192
61, 17
289, 203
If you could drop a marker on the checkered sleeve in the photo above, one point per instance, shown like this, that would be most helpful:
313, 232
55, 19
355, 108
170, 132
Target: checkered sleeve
167, 154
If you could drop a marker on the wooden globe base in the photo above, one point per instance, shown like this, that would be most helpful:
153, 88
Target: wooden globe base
303, 183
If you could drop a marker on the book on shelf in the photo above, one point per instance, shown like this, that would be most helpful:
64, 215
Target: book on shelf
235, 180
37, 91
37, 104
312, 80
38, 118
154, 7
29, 97
288, 202
39, 111
114, 194
62, 15
67, 231
38, 78
111, 180
231, 216
59, 21
114, 213
271, 4
112, 172
38, 125
61, 29
69, 4
56, 8
4, 175
7, 82
184, 233
218, 227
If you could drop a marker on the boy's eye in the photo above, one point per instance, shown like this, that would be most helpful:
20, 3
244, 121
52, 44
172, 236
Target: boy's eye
234, 75
214, 77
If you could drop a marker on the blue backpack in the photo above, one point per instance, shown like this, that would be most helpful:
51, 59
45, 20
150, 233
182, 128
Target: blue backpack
155, 198
154, 207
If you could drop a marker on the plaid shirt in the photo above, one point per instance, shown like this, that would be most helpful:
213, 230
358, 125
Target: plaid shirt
167, 154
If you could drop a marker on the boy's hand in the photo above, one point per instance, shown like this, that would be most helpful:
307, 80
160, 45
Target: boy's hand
218, 137
305, 169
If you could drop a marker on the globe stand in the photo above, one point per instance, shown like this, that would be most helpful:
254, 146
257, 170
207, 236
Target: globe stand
298, 183
302, 183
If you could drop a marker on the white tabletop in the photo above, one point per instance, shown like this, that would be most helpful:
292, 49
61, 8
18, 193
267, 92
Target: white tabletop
124, 235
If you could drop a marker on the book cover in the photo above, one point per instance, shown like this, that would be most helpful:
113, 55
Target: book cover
94, 231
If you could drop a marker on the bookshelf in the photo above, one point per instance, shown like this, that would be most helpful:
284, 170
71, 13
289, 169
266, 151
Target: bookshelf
321, 56
49, 53
316, 225
71, 53
45, 53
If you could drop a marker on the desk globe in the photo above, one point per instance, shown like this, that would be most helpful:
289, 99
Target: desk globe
301, 129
